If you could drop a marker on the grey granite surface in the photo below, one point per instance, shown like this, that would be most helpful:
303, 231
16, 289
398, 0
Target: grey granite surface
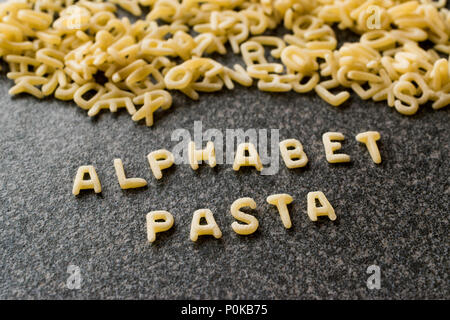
394, 215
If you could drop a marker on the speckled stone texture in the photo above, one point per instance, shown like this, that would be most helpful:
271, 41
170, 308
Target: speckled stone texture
394, 215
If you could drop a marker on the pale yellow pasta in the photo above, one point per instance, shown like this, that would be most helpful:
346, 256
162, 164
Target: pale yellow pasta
277, 83
238, 34
334, 100
28, 84
58, 78
129, 69
298, 60
23, 63
443, 100
252, 159
81, 184
208, 84
440, 74
112, 91
294, 157
238, 74
262, 70
271, 41
160, 160
378, 39
35, 19
298, 86
142, 74
405, 102
124, 182
151, 101
178, 77
50, 57
91, 86
325, 208
67, 92
195, 156
330, 147
210, 228
422, 85
370, 139
250, 223
257, 21
130, 5
363, 76
253, 53
281, 201
155, 226
112, 104
60, 47
207, 43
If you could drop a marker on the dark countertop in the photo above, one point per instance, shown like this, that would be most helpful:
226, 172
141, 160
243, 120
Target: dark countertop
394, 215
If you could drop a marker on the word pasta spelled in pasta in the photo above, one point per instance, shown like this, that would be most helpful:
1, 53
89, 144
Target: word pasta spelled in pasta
60, 48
